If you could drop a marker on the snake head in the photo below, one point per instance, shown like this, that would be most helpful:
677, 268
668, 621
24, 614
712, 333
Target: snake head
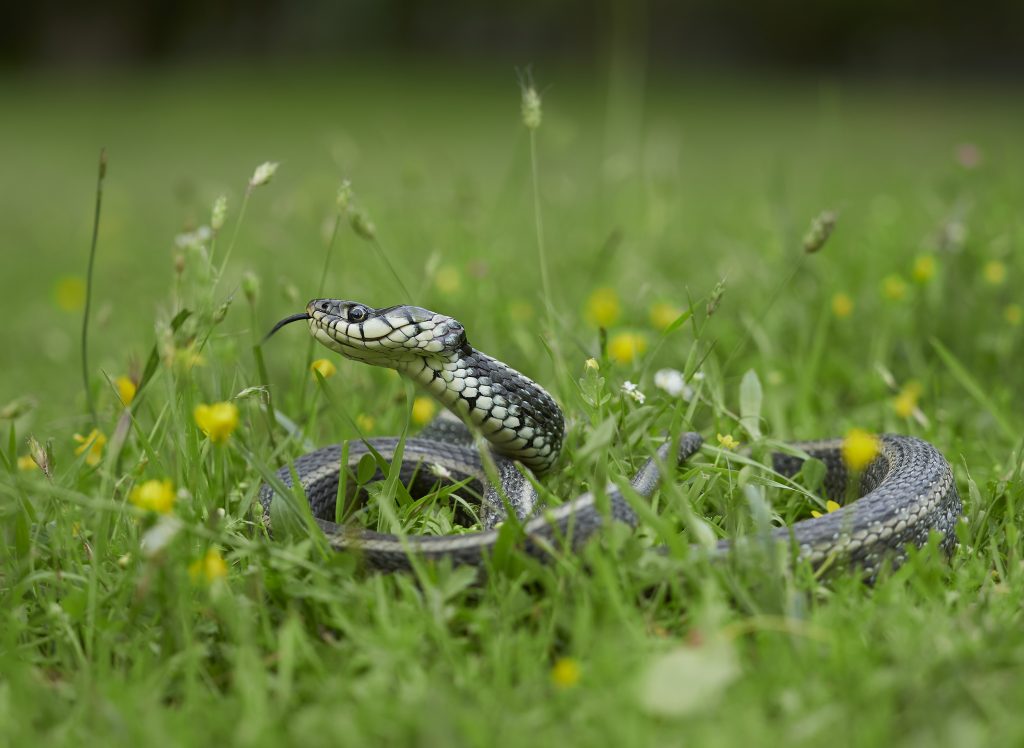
391, 336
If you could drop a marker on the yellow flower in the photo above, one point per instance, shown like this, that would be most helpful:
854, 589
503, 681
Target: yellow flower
448, 280
894, 287
727, 441
830, 506
126, 390
217, 421
924, 268
842, 305
188, 357
520, 311
664, 314
364, 422
326, 368
994, 272
69, 293
906, 401
591, 363
92, 444
154, 496
603, 307
860, 448
423, 409
626, 346
25, 462
209, 568
1013, 314
566, 672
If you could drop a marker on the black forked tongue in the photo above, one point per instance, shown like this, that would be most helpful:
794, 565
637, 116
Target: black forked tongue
282, 323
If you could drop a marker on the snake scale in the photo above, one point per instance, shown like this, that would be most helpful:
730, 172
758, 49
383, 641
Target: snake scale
905, 494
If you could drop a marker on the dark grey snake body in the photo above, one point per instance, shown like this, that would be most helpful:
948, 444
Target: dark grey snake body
905, 494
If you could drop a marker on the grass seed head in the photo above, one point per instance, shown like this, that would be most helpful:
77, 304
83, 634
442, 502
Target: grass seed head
219, 213
263, 174
361, 224
820, 230
716, 297
343, 200
531, 108
251, 286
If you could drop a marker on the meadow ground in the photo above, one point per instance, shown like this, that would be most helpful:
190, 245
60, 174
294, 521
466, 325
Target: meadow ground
165, 615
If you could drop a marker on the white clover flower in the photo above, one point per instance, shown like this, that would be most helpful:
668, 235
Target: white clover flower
263, 174
633, 391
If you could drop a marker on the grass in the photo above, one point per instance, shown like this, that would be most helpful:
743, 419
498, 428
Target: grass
121, 626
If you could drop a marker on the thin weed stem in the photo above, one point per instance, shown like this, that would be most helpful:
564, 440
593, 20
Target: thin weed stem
234, 237
102, 174
319, 294
394, 273
545, 281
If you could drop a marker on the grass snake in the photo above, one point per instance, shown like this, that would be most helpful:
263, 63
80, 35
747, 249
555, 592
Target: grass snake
905, 494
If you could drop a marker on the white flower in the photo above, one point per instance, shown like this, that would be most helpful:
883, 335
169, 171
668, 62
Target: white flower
264, 172
193, 238
672, 382
160, 535
440, 471
633, 391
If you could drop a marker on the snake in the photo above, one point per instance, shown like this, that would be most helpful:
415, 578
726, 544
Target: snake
501, 431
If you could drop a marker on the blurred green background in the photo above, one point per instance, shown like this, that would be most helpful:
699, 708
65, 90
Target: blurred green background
680, 145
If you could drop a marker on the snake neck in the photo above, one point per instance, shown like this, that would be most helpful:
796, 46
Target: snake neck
515, 414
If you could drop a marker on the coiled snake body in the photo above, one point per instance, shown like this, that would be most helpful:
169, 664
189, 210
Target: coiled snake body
905, 493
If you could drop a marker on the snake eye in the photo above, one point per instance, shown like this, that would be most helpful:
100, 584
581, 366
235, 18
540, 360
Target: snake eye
356, 314
325, 306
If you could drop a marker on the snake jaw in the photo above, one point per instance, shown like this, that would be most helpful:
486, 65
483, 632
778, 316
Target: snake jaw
394, 337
